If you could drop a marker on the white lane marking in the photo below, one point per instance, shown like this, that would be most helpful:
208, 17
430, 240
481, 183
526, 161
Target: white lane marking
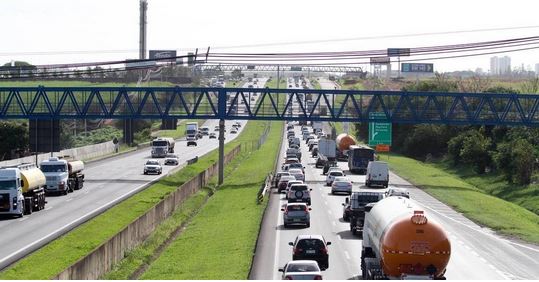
48, 208
333, 222
69, 200
346, 255
23, 219
28, 246
87, 192
326, 203
482, 232
329, 212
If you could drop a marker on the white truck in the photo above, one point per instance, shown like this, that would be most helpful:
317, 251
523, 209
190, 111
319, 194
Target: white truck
191, 131
162, 146
22, 190
63, 176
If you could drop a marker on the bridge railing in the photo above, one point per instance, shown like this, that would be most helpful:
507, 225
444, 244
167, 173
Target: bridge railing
269, 104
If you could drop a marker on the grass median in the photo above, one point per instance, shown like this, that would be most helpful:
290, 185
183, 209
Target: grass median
220, 241
500, 215
56, 256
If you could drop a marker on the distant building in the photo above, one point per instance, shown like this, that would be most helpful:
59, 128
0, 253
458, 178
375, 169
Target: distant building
500, 65
536, 69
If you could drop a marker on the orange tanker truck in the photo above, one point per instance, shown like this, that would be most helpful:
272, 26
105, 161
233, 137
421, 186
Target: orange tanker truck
400, 241
344, 141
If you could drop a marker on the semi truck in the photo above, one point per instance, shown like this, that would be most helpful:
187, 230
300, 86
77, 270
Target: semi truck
326, 152
63, 175
191, 129
400, 241
22, 190
344, 141
162, 146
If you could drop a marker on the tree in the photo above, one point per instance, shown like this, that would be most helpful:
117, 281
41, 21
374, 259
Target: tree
475, 151
515, 160
13, 136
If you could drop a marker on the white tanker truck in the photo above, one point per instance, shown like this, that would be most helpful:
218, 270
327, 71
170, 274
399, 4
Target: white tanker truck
401, 242
21, 190
63, 176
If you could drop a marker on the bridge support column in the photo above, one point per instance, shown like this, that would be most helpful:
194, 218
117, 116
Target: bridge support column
129, 135
221, 151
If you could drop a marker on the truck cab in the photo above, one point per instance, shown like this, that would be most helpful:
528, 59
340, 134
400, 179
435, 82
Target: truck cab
21, 190
358, 203
56, 173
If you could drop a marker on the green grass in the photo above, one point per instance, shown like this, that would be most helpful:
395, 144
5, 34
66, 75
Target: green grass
143, 254
500, 215
219, 242
315, 84
56, 256
526, 196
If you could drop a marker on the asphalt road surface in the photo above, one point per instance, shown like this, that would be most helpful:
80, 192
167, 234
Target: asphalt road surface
107, 182
477, 252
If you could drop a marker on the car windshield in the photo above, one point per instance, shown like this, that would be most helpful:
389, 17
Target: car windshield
7, 184
363, 153
160, 143
302, 268
53, 168
152, 163
336, 173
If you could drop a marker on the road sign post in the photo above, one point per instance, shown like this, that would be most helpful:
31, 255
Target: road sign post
379, 132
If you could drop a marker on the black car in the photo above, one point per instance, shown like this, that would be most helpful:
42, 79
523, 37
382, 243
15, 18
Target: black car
311, 247
314, 152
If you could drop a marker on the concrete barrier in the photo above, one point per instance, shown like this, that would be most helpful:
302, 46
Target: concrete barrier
85, 152
102, 259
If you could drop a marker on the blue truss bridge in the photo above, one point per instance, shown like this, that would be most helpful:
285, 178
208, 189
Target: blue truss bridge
268, 104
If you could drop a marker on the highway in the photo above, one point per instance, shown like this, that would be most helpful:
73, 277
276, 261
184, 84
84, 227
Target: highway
107, 182
477, 253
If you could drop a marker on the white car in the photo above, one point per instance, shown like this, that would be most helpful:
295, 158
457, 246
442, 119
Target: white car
341, 184
400, 192
297, 173
331, 176
171, 159
152, 166
301, 270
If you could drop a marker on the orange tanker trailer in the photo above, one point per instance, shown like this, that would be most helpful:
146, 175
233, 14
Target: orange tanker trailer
400, 241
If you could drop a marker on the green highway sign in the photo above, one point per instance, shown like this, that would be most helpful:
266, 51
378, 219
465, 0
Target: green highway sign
379, 132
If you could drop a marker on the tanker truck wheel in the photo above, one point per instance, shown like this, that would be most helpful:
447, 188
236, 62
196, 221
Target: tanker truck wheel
27, 207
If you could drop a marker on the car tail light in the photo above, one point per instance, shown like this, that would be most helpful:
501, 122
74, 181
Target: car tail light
297, 251
324, 251
318, 277
288, 277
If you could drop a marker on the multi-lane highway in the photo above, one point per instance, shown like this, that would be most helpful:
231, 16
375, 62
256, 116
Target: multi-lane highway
477, 253
107, 182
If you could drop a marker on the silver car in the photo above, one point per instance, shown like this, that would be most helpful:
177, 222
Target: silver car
341, 185
296, 213
301, 270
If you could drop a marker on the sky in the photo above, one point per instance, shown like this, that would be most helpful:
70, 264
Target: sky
71, 31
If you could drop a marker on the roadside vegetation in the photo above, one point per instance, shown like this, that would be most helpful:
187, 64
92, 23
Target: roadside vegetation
473, 201
56, 256
496, 161
220, 241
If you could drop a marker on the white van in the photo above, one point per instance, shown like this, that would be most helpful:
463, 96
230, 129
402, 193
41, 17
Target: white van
377, 174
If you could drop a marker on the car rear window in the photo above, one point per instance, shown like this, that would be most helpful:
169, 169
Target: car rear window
310, 244
296, 208
302, 268
336, 173
299, 187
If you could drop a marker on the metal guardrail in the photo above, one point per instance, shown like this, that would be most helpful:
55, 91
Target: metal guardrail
192, 161
266, 186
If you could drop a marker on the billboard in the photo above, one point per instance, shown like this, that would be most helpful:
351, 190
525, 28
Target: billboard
380, 60
414, 67
162, 54
398, 52
136, 64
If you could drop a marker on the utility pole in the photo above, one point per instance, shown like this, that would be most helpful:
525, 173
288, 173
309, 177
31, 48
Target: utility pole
142, 32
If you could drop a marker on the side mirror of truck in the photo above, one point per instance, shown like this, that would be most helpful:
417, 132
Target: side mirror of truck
282, 209
291, 243
347, 200
328, 243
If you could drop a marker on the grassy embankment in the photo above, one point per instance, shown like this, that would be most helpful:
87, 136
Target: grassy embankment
56, 256
219, 242
469, 196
